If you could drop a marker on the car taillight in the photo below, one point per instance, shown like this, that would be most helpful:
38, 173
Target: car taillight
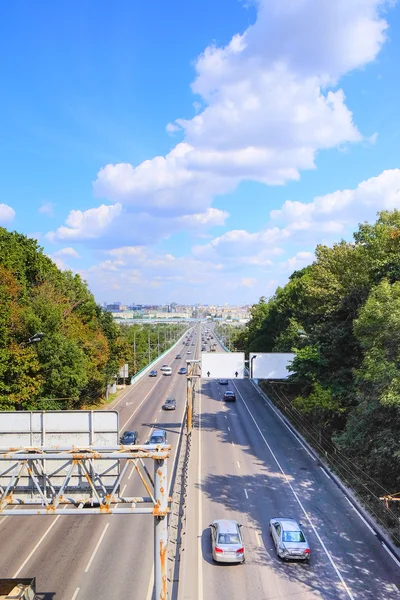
307, 551
240, 551
218, 550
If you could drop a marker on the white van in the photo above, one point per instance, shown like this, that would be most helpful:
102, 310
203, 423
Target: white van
167, 371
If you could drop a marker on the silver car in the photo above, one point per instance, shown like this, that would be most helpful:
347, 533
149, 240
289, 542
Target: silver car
226, 541
289, 539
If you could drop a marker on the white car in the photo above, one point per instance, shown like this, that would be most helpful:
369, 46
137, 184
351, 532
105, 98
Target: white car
166, 370
289, 539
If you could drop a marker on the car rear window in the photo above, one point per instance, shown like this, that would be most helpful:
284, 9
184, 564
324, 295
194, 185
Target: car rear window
293, 536
228, 538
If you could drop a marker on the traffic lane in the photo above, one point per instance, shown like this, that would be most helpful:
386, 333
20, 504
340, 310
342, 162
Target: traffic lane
237, 487
354, 548
85, 533
128, 567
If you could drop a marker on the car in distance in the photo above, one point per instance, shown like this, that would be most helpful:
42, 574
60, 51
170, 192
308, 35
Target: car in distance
178, 356
153, 374
164, 367
129, 438
189, 352
223, 382
229, 396
227, 542
169, 404
289, 539
167, 371
159, 436
182, 371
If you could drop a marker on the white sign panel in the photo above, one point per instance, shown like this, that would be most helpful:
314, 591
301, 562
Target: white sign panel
124, 371
270, 365
222, 365
67, 428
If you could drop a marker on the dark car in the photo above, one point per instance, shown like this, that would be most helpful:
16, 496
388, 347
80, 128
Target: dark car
229, 396
129, 438
159, 436
223, 382
169, 404
153, 374
182, 371
178, 356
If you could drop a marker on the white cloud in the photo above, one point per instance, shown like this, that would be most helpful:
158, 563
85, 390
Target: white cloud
67, 252
334, 212
47, 209
86, 225
7, 214
267, 106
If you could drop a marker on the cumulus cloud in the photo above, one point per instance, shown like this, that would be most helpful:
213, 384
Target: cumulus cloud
67, 252
86, 225
334, 212
267, 105
7, 214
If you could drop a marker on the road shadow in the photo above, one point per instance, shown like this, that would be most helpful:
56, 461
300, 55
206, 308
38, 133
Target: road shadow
258, 497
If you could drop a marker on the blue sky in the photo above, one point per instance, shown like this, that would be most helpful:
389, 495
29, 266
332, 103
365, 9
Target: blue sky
196, 152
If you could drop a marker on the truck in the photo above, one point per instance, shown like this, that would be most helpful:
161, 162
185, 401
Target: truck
18, 589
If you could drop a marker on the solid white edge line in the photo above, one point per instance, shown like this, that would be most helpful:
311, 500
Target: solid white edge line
75, 594
97, 547
331, 560
259, 538
324, 472
36, 547
283, 421
390, 553
200, 523
361, 517
238, 464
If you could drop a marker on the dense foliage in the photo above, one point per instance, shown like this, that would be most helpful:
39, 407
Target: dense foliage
80, 348
341, 316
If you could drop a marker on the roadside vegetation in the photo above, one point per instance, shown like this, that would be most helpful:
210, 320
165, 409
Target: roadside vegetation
79, 348
341, 317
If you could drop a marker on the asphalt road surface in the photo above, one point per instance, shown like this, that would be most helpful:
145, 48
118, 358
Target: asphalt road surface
101, 557
248, 466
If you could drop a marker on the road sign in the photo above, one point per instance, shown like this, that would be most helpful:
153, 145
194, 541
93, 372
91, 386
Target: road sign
124, 371
222, 365
60, 429
270, 365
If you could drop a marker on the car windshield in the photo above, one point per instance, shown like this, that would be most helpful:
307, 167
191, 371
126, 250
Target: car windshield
293, 536
228, 538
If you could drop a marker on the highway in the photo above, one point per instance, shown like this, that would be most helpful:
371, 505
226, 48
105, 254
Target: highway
247, 465
101, 557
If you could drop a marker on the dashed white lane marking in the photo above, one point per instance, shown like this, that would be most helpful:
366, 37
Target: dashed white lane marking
390, 554
36, 547
233, 444
258, 538
123, 490
229, 428
238, 464
325, 549
246, 494
324, 472
361, 517
75, 594
97, 547
225, 416
132, 469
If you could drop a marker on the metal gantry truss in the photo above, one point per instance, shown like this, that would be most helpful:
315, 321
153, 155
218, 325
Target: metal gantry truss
82, 481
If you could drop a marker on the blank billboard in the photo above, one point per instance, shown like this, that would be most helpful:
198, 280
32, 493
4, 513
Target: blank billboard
222, 365
270, 365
